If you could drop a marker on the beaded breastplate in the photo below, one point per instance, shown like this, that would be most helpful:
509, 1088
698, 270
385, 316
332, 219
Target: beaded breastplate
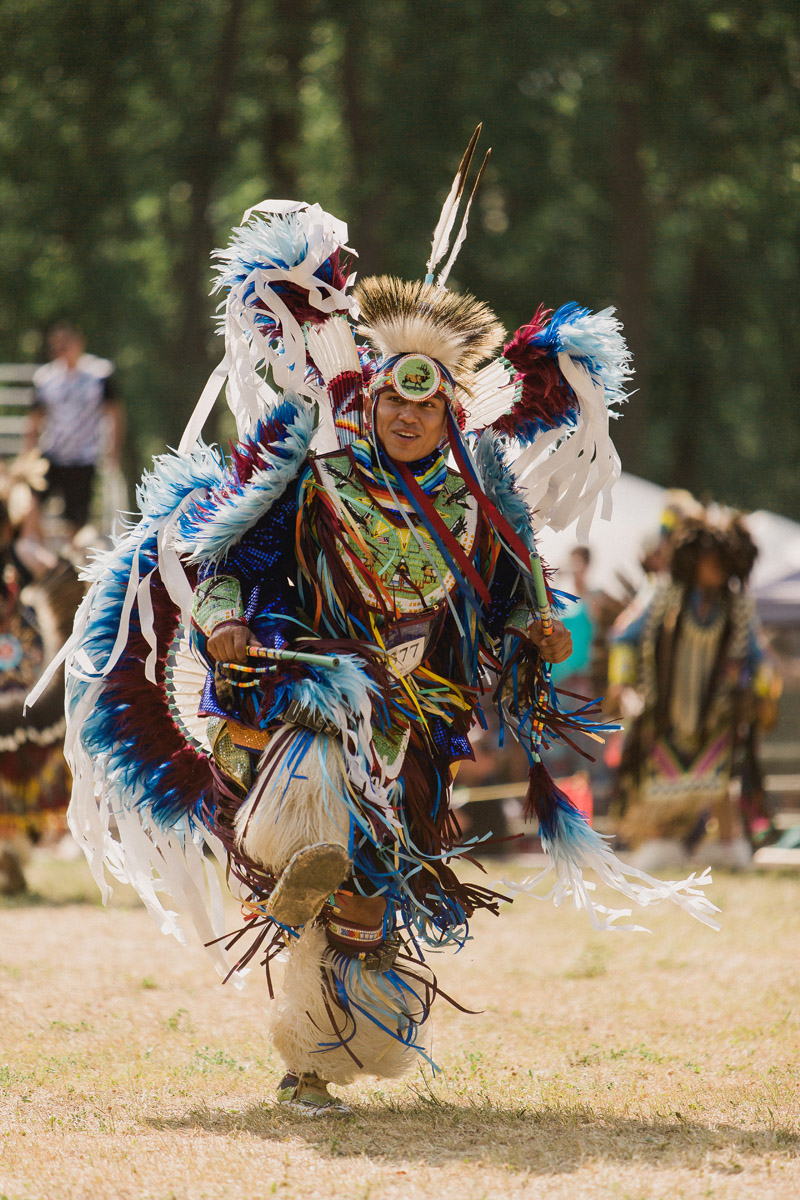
411, 570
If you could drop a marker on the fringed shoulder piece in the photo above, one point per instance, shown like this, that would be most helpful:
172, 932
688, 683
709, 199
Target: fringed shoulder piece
262, 468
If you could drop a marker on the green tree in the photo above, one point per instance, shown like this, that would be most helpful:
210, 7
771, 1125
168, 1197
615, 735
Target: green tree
644, 156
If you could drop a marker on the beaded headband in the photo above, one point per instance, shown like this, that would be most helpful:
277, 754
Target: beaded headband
414, 377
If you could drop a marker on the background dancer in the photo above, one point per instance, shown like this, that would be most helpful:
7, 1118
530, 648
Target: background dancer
696, 658
75, 397
39, 595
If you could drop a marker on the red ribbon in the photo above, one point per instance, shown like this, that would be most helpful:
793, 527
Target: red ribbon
453, 546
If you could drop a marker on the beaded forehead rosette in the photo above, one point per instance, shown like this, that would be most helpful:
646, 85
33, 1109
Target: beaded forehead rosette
413, 377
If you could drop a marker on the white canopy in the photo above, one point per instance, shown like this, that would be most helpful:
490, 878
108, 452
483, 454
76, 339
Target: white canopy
616, 547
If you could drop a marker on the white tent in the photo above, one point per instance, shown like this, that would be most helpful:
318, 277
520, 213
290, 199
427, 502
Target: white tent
617, 545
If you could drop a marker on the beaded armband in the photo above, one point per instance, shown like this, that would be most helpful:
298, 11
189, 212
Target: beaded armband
216, 600
520, 620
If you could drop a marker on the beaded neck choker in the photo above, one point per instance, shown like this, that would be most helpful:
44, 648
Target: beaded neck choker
430, 472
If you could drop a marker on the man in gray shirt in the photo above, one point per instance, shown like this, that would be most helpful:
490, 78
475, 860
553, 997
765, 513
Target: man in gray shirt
74, 392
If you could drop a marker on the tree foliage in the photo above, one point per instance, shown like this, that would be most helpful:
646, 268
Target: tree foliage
643, 155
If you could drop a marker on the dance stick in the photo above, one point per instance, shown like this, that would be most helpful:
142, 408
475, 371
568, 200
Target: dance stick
542, 602
274, 658
288, 656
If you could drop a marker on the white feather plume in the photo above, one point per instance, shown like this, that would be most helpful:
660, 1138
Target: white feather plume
444, 226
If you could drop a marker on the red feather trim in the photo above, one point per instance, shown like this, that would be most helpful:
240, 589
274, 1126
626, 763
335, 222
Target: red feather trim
546, 399
142, 715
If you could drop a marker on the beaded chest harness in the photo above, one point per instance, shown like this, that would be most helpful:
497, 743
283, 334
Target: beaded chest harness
410, 570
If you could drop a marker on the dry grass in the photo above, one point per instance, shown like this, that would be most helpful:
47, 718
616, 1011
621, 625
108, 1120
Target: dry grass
621, 1066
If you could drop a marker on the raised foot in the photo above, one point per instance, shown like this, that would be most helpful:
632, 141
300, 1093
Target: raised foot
309, 878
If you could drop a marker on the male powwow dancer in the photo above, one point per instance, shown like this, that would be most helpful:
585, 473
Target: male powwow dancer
346, 592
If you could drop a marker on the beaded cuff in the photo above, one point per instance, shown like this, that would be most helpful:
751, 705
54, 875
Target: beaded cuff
365, 936
366, 943
216, 600
519, 620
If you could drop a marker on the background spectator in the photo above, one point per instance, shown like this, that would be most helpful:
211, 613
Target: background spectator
74, 394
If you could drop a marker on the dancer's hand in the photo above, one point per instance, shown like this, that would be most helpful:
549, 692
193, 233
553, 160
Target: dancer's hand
555, 648
229, 642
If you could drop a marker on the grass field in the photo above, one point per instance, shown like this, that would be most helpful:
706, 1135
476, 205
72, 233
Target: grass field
627, 1066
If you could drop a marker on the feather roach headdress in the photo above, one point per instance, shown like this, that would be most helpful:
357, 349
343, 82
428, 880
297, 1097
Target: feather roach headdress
458, 331
719, 532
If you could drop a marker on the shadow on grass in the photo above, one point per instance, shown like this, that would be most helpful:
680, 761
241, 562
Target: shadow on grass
542, 1140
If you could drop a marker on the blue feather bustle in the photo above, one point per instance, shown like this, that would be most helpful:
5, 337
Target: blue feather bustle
276, 243
267, 252
211, 504
544, 399
137, 771
262, 468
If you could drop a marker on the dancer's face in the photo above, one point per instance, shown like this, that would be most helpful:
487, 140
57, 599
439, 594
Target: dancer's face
710, 575
409, 429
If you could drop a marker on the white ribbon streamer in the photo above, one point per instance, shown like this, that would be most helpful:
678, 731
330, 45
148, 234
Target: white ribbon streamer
562, 474
208, 396
145, 603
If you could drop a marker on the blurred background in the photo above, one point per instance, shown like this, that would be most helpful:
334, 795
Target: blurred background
646, 156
